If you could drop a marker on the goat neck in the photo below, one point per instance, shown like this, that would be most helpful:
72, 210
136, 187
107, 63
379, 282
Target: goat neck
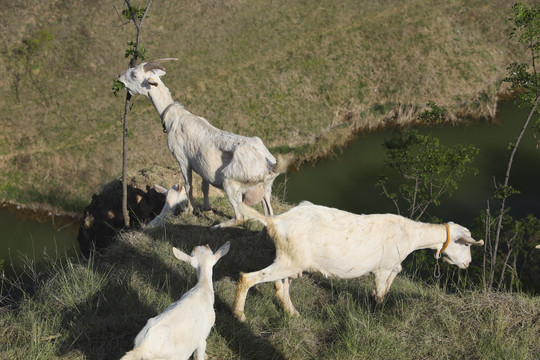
204, 277
432, 236
161, 98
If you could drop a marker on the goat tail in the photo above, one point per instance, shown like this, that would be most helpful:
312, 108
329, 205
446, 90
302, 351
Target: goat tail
282, 163
252, 214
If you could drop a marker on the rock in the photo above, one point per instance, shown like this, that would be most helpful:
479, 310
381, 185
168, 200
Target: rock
103, 218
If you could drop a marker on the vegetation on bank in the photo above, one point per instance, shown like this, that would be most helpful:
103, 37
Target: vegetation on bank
93, 309
303, 76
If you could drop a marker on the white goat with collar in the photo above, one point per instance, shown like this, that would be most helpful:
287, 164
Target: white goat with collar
182, 329
340, 244
242, 166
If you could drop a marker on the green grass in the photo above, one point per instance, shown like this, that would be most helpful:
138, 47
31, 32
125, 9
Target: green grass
300, 75
93, 309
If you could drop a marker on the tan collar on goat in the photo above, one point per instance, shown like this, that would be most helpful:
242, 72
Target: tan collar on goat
445, 245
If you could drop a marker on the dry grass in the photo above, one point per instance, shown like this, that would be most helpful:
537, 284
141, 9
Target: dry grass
301, 75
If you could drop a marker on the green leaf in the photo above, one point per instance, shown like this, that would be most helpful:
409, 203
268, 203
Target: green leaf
117, 86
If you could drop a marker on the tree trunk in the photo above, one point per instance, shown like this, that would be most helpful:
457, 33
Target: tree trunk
506, 181
132, 62
125, 211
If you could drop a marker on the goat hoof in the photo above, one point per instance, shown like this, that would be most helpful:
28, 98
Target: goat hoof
294, 313
240, 317
378, 300
226, 224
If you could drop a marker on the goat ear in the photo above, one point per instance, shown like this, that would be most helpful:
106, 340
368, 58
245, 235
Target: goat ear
223, 250
152, 82
160, 189
470, 241
181, 256
158, 72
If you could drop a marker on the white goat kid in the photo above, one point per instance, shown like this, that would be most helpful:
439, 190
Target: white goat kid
344, 245
175, 197
241, 166
181, 330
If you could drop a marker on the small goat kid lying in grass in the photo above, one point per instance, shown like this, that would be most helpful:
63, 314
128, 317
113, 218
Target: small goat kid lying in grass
183, 327
241, 166
174, 198
344, 245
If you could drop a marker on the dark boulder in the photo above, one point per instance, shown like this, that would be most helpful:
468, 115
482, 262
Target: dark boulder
103, 218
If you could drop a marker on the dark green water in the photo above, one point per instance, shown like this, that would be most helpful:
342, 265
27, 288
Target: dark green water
348, 181
25, 239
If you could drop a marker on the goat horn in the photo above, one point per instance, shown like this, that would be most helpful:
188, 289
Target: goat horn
153, 65
159, 61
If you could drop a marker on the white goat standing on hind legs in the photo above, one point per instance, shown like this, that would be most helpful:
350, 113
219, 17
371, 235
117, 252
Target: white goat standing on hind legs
340, 244
182, 329
241, 166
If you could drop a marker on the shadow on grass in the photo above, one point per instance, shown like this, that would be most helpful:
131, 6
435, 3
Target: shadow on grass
360, 289
104, 326
240, 338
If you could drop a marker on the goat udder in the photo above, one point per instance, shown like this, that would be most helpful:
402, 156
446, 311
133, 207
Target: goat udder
253, 195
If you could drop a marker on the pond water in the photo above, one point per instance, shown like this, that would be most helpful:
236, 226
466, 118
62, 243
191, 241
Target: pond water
348, 180
25, 237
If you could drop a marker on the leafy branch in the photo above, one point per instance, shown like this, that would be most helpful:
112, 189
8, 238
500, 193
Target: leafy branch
427, 169
136, 15
524, 81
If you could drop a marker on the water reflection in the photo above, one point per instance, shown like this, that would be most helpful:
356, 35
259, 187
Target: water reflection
24, 237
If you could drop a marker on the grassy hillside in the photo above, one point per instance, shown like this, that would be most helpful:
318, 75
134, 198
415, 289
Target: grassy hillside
93, 310
305, 75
